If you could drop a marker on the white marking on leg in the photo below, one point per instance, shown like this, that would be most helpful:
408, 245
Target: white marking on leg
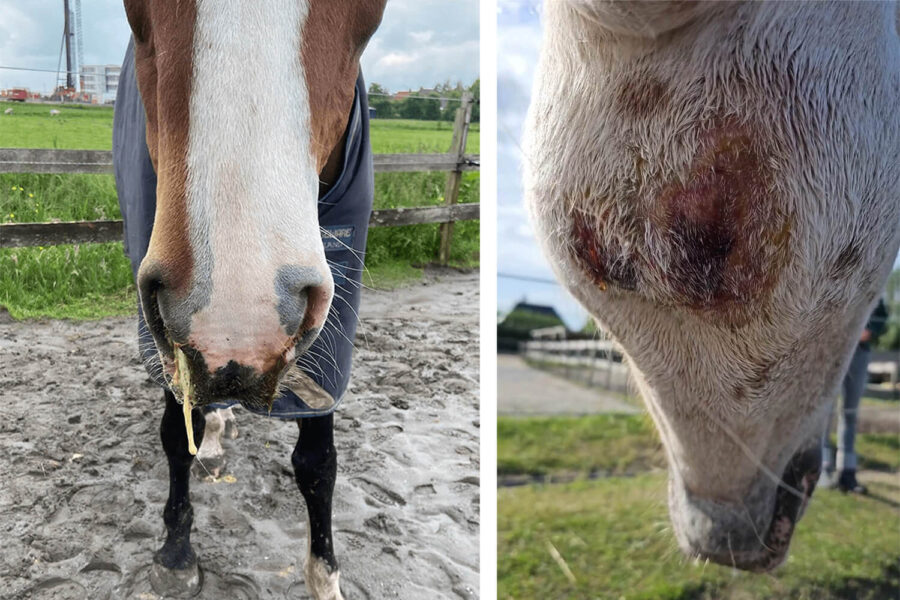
231, 430
211, 453
322, 584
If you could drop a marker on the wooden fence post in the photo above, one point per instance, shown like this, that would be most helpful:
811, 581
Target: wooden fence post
451, 190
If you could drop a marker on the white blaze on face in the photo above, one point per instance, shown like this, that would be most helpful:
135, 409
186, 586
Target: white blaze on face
252, 184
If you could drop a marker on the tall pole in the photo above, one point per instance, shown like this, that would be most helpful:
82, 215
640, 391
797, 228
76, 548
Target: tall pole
67, 30
79, 46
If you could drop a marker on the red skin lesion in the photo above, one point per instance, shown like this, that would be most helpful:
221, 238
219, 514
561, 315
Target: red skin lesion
720, 233
603, 260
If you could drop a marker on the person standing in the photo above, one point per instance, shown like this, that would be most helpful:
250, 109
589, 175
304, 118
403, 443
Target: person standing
852, 389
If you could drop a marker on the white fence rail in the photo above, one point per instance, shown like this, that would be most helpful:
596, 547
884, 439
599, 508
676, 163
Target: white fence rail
591, 362
600, 363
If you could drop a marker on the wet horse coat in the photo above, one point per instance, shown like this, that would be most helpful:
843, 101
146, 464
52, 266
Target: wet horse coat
246, 215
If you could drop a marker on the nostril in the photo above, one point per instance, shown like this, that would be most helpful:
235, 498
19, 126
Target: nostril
150, 284
294, 286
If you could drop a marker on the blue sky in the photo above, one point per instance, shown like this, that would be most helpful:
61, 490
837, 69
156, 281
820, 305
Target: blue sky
518, 253
420, 42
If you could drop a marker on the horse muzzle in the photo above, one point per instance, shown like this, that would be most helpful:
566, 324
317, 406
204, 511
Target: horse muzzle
752, 533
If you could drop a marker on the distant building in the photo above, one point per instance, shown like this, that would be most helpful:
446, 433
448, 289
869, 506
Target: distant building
425, 92
556, 332
537, 309
524, 320
100, 81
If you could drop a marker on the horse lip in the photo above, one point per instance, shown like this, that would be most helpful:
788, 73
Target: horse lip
253, 390
791, 496
800, 475
305, 340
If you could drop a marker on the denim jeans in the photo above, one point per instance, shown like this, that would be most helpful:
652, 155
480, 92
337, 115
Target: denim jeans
852, 389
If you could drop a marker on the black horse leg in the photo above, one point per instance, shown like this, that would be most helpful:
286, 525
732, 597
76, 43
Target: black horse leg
315, 468
179, 573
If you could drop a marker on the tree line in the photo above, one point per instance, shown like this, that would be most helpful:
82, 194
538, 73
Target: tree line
426, 105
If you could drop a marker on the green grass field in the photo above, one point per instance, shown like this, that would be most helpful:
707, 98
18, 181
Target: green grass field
95, 280
614, 533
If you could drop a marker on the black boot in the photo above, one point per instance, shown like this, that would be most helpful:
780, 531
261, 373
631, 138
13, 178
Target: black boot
847, 482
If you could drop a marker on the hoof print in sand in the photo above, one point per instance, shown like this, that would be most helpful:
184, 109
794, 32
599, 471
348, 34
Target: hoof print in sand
378, 493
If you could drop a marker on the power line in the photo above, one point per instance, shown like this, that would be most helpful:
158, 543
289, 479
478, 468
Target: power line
62, 71
417, 96
528, 278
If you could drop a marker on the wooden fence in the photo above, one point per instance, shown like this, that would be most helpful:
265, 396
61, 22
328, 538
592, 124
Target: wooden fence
30, 160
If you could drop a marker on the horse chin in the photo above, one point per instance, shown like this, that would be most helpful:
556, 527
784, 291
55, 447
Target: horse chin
233, 383
755, 533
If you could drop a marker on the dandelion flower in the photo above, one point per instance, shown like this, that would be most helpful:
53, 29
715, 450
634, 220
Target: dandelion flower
31, 195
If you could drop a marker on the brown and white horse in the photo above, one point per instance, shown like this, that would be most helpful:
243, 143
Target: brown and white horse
717, 183
246, 105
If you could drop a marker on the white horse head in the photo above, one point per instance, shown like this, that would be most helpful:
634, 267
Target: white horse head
717, 183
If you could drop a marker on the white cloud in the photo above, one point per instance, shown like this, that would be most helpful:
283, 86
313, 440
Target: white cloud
394, 60
31, 32
421, 37
421, 43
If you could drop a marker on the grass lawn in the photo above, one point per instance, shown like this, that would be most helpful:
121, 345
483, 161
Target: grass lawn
879, 402
76, 127
617, 445
95, 280
615, 536
566, 446
90, 127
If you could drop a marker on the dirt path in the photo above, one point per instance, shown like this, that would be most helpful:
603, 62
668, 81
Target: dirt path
85, 480
526, 391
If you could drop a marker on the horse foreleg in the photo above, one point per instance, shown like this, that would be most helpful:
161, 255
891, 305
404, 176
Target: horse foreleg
210, 453
231, 430
175, 571
315, 468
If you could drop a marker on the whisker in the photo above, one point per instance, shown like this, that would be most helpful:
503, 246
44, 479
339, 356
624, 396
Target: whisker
749, 454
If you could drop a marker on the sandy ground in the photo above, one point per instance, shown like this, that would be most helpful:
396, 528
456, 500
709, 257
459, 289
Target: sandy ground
523, 390
85, 480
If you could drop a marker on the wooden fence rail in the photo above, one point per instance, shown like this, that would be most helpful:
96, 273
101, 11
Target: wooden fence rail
99, 162
14, 235
40, 160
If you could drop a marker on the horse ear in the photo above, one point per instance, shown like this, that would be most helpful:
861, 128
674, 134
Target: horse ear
138, 14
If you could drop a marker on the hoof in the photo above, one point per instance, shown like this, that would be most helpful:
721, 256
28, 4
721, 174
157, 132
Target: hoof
208, 468
176, 583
